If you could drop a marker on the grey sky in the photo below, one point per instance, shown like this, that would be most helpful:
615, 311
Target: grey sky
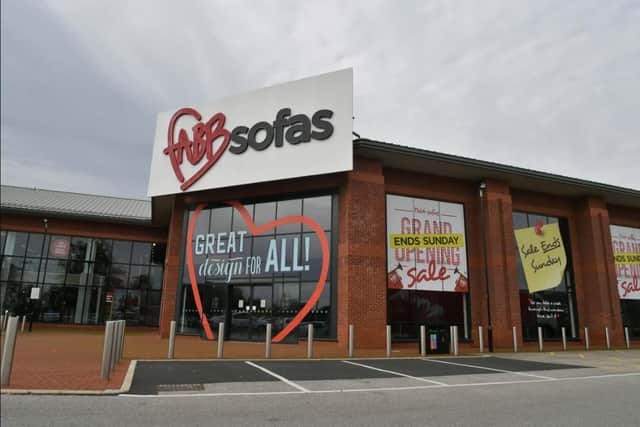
547, 85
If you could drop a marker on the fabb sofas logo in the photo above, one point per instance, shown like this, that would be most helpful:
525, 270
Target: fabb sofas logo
293, 130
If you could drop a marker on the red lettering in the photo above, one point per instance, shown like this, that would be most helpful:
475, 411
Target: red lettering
427, 275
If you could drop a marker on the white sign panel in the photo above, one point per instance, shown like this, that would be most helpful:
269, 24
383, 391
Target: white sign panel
426, 245
626, 253
296, 129
35, 293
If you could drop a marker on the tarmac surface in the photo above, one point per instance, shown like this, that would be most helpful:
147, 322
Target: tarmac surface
573, 389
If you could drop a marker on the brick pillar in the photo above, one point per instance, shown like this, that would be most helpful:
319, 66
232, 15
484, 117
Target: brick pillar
172, 267
602, 306
504, 297
362, 286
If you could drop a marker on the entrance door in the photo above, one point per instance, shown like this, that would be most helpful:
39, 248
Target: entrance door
249, 312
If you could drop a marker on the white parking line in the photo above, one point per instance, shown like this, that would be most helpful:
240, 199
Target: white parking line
400, 374
490, 369
280, 377
275, 393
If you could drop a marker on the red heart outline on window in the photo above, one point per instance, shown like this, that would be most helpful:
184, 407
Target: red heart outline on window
256, 230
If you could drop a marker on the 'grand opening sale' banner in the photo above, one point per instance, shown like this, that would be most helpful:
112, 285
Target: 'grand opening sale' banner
426, 245
626, 253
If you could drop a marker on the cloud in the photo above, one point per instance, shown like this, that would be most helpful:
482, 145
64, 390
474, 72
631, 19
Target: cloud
544, 85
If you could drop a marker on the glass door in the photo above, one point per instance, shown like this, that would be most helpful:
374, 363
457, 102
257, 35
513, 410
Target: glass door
239, 313
261, 314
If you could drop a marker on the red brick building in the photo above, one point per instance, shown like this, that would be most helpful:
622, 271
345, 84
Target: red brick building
359, 292
270, 213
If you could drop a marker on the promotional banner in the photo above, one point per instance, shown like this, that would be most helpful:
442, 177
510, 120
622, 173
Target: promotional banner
296, 129
224, 256
543, 257
426, 245
626, 252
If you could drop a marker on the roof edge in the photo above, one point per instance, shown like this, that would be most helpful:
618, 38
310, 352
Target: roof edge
382, 146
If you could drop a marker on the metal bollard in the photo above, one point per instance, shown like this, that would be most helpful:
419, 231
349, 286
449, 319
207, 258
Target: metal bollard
540, 341
172, 339
114, 344
586, 338
564, 338
606, 337
514, 331
8, 350
105, 369
455, 340
626, 338
388, 329
24, 319
124, 329
351, 340
267, 342
480, 339
220, 340
1, 324
450, 339
309, 340
423, 340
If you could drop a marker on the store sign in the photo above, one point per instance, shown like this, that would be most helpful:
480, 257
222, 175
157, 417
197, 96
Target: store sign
543, 257
426, 245
59, 248
222, 256
626, 252
296, 129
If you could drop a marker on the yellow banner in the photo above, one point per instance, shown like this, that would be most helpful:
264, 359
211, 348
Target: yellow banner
402, 241
543, 256
627, 258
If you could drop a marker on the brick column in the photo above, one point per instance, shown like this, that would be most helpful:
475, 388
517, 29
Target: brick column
502, 268
602, 307
362, 286
172, 267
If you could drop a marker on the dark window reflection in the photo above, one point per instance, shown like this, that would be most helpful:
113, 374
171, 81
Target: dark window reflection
550, 309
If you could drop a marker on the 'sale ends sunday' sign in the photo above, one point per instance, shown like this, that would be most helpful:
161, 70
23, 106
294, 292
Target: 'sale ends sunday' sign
543, 256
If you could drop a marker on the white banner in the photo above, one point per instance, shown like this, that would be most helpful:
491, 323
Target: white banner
296, 129
626, 252
426, 245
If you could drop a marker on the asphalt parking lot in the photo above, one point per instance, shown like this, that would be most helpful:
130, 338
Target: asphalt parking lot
158, 378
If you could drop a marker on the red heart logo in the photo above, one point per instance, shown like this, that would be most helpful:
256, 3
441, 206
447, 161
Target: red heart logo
201, 144
256, 230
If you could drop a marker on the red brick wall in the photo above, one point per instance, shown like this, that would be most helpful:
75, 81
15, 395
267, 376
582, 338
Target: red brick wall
362, 288
73, 227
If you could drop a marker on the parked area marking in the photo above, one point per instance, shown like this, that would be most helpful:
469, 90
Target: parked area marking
490, 369
395, 373
280, 377
290, 377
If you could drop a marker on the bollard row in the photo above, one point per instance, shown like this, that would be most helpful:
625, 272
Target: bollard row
113, 347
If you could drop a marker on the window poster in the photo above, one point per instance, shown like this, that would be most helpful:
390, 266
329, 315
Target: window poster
426, 245
626, 253
543, 257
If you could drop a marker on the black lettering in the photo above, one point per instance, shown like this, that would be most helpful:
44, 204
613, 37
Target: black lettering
324, 125
280, 123
240, 142
300, 130
260, 126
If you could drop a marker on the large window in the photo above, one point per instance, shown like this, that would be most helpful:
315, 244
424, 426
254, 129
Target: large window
248, 279
545, 276
82, 280
625, 242
427, 270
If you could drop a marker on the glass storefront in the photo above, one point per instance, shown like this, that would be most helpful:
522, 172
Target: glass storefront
82, 280
547, 294
247, 278
427, 270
